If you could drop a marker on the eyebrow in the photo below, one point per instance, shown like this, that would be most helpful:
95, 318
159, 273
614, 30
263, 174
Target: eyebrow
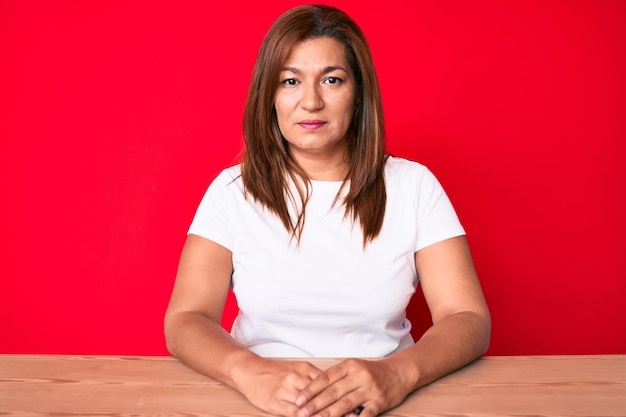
325, 71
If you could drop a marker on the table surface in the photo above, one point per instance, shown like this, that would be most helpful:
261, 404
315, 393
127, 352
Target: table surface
131, 386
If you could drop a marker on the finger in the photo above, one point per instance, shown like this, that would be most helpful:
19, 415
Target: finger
300, 375
345, 405
297, 382
285, 408
307, 375
312, 371
320, 382
355, 412
306, 369
337, 399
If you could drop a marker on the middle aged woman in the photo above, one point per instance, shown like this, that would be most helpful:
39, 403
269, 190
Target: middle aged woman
323, 238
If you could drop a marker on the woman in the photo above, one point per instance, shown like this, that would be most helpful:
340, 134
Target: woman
322, 238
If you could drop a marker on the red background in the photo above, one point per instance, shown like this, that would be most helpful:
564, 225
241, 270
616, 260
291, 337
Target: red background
116, 115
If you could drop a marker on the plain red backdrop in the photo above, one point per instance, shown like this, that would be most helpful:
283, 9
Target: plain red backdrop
116, 115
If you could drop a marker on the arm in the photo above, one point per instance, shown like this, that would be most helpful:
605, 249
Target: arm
460, 334
192, 321
461, 321
194, 335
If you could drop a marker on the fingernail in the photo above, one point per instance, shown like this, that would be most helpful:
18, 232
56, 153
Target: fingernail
300, 400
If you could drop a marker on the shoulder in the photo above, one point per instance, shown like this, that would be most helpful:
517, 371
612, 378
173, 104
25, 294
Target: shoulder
226, 185
229, 174
401, 170
227, 178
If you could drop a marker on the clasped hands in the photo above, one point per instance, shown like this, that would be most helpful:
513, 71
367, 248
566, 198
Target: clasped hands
299, 389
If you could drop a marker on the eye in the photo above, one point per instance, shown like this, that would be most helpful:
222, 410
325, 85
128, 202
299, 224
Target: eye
333, 80
289, 82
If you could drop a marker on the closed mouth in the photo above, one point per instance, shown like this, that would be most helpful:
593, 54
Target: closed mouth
312, 124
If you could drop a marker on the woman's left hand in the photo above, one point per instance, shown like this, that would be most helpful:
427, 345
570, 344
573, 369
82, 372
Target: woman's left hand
373, 384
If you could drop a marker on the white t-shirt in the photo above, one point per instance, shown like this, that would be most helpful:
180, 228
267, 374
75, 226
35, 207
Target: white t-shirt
327, 297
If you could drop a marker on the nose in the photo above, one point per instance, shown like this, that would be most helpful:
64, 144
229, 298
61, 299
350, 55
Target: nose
311, 97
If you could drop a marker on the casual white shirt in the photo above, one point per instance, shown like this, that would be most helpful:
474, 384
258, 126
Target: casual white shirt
327, 296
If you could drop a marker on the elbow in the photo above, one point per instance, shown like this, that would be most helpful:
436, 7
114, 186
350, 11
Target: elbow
478, 324
169, 331
485, 332
170, 346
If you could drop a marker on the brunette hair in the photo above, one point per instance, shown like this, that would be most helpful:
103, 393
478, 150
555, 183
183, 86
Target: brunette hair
267, 165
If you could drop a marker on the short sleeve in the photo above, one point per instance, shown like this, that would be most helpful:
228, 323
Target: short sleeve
211, 220
436, 217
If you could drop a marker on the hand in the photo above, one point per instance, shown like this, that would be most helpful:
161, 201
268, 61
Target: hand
274, 385
373, 384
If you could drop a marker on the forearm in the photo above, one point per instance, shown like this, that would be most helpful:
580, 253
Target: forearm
448, 345
202, 344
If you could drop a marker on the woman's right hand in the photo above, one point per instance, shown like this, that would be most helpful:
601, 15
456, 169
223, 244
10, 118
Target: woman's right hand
273, 385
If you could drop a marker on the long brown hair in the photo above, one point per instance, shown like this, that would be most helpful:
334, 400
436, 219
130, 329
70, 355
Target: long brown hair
267, 164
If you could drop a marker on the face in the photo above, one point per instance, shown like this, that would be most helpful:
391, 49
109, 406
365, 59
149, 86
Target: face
315, 100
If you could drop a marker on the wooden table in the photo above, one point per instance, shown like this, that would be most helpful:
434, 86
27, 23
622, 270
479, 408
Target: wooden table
40, 385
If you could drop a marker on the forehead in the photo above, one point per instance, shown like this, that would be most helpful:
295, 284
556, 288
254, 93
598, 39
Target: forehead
322, 51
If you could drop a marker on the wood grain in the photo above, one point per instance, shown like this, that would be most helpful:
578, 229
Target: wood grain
55, 386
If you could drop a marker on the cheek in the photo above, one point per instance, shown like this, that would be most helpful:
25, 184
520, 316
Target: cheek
282, 119
283, 108
281, 115
348, 110
348, 101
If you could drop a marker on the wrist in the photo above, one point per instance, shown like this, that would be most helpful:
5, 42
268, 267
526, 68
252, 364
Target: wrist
239, 367
406, 371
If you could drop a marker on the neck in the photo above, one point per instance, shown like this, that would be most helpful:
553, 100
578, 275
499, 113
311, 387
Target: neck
324, 169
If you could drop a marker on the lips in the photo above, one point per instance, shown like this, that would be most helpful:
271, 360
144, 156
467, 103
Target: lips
312, 124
